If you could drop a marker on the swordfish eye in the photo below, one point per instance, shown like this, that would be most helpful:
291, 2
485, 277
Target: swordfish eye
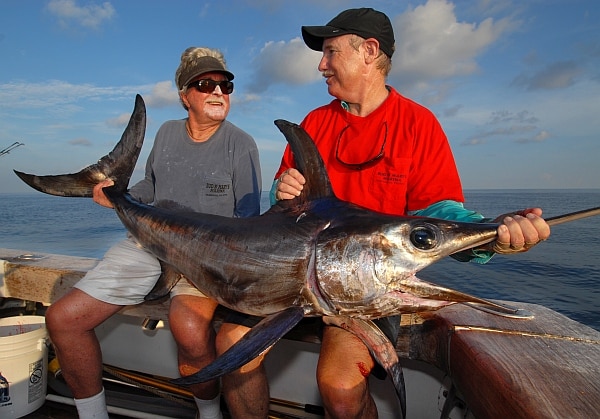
423, 237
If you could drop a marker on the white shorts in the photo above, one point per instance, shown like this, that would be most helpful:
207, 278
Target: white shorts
185, 287
126, 274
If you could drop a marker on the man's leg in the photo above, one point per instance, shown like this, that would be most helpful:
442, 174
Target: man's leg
123, 277
190, 320
342, 375
246, 390
70, 322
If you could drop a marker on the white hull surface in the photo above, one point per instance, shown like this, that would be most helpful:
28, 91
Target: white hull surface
290, 365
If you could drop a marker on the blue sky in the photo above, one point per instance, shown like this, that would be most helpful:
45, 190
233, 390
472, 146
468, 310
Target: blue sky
515, 84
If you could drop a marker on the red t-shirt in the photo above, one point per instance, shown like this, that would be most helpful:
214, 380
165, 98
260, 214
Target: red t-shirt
417, 168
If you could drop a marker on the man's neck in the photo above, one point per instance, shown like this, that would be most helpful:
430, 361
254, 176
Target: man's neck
371, 101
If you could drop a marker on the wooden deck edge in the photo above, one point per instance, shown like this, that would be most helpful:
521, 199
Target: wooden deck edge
45, 277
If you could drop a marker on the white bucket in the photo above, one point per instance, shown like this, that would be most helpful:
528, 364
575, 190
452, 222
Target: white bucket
23, 365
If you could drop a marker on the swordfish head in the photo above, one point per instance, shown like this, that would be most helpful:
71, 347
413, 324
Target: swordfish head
366, 263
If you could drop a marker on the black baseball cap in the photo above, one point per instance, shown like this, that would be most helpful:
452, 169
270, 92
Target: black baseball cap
364, 22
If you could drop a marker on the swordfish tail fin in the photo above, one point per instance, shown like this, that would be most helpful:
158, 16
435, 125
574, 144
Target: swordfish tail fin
117, 165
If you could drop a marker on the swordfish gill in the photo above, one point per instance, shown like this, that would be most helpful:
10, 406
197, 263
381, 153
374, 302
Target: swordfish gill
314, 255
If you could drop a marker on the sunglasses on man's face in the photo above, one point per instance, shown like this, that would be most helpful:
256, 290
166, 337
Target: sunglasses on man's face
209, 86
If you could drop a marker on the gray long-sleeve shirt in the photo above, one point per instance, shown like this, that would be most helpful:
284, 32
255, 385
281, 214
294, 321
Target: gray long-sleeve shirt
219, 176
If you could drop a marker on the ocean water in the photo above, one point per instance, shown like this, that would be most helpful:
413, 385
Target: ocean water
562, 273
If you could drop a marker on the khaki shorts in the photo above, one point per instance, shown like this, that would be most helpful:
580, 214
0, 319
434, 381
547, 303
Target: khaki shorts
185, 287
126, 274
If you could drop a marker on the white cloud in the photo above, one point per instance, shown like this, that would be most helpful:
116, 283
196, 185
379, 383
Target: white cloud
162, 94
89, 16
120, 121
285, 62
243, 99
521, 117
431, 44
540, 137
557, 75
520, 127
80, 142
474, 141
57, 94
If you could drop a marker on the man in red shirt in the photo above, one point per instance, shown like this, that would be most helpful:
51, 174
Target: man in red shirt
378, 163
386, 153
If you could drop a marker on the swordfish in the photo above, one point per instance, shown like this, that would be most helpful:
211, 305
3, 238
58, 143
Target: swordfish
314, 255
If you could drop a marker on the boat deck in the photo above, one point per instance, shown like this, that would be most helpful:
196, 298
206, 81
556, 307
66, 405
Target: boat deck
53, 410
126, 404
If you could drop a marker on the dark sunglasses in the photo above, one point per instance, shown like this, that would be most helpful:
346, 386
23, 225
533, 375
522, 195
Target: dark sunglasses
358, 165
209, 86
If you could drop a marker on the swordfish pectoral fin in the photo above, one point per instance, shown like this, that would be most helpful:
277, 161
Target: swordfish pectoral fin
380, 348
261, 337
117, 165
169, 277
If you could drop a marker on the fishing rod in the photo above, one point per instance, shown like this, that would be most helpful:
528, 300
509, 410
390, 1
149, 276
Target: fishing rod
10, 147
565, 218
517, 313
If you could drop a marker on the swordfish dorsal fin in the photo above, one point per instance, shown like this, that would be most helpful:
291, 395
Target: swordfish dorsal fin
117, 165
168, 278
308, 161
